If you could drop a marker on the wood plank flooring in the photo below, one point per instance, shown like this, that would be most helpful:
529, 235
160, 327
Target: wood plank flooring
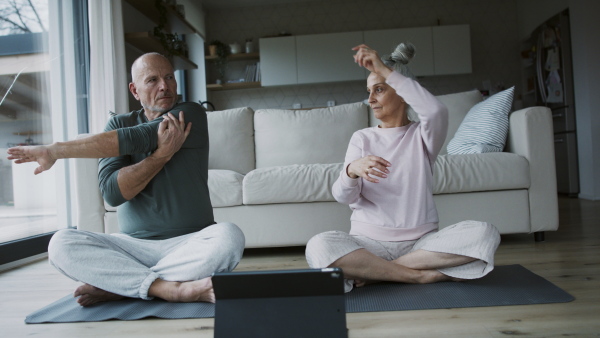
570, 258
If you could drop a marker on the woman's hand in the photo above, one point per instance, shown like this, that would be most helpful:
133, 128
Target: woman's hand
368, 58
368, 166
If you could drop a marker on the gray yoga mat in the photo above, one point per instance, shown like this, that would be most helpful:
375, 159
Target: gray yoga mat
505, 285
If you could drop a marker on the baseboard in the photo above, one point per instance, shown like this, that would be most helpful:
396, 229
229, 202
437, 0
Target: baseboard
24, 261
588, 197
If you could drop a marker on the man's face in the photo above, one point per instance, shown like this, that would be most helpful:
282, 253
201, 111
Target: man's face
154, 85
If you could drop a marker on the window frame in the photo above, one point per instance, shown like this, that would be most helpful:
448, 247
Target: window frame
70, 42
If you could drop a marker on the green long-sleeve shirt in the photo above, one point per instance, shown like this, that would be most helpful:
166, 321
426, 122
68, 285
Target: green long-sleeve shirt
176, 201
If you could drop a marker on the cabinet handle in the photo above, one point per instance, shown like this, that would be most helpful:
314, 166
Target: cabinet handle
559, 140
555, 116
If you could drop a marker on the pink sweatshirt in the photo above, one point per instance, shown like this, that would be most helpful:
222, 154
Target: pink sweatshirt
399, 207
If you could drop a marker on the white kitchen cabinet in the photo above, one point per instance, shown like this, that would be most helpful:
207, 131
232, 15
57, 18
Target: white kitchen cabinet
328, 57
385, 41
319, 58
452, 49
278, 61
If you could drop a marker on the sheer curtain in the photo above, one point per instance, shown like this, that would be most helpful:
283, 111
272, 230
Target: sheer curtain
108, 76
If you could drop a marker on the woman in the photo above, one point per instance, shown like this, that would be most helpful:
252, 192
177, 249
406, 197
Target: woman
387, 180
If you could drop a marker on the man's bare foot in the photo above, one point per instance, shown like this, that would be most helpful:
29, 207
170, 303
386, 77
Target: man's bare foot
184, 292
89, 295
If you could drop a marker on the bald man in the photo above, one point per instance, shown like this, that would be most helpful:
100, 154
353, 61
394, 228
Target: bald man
154, 167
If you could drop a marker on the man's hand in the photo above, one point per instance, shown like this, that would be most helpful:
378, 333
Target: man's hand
40, 154
171, 135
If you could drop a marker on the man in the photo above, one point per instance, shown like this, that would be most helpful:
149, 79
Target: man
155, 168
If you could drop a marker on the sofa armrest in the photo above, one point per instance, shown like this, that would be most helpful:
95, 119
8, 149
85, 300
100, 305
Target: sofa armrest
531, 136
90, 205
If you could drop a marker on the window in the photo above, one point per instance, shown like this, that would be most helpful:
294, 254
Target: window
43, 99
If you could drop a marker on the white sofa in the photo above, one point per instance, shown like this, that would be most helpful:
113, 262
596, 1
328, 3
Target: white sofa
271, 173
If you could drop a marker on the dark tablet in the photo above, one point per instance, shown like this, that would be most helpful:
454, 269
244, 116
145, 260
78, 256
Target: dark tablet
282, 303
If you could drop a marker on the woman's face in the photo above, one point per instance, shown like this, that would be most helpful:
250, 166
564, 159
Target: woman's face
384, 101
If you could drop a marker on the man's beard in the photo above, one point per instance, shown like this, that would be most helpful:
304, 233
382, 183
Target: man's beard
159, 109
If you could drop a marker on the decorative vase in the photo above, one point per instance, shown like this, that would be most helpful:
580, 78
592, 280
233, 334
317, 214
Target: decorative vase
235, 48
212, 50
249, 47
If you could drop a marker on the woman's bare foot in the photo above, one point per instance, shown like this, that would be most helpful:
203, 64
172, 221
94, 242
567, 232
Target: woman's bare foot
359, 283
89, 295
434, 276
183, 292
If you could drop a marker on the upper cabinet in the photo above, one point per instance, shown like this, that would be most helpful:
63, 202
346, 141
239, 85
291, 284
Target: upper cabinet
452, 49
278, 61
385, 41
328, 58
440, 50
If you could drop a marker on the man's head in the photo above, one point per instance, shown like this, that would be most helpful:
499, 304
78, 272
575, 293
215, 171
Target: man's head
153, 84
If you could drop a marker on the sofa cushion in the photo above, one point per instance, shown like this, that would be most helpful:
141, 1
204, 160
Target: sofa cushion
291, 184
225, 188
285, 137
231, 137
480, 172
485, 127
458, 105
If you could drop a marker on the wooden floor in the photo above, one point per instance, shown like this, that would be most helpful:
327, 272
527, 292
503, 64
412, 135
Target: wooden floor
570, 258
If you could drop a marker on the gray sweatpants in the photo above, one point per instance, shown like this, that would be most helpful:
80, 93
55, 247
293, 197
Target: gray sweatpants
469, 238
127, 266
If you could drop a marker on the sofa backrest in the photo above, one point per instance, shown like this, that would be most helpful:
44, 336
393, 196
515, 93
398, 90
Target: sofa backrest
286, 137
231, 138
458, 105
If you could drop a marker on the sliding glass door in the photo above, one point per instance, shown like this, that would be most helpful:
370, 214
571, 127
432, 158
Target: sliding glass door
43, 100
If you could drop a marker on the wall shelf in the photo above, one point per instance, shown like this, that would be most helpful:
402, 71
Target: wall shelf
177, 22
236, 57
230, 86
146, 42
236, 85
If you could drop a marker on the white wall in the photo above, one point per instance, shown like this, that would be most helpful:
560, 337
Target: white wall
585, 29
532, 13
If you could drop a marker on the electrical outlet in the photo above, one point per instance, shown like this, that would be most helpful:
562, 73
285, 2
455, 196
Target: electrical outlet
330, 103
297, 106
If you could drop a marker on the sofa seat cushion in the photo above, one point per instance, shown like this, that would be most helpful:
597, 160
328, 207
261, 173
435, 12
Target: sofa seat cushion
480, 172
291, 184
225, 188
109, 207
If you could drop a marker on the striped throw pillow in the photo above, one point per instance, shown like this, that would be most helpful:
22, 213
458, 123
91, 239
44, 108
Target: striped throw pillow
485, 127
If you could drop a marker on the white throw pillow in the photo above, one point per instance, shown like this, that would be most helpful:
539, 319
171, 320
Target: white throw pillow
286, 137
231, 139
485, 127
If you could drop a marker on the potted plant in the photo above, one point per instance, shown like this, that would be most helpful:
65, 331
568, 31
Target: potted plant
221, 51
172, 43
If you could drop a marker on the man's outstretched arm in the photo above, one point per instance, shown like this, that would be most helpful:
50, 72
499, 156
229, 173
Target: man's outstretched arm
99, 146
95, 146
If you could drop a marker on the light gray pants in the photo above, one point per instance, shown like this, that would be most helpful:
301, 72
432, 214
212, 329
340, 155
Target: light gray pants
469, 238
127, 266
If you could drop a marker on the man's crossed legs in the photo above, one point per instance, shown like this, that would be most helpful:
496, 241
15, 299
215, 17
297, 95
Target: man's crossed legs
116, 266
